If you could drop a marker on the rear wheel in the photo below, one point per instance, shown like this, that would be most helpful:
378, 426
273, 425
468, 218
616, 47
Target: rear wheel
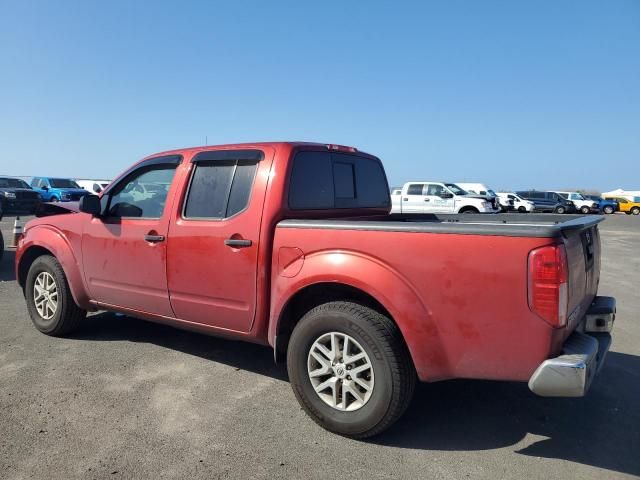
350, 369
49, 301
635, 210
584, 209
608, 209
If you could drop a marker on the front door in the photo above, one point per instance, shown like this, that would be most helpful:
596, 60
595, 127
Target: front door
214, 239
438, 204
124, 250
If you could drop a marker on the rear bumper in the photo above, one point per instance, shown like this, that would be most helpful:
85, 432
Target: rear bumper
583, 354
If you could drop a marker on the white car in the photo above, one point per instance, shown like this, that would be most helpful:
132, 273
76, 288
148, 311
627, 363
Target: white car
480, 189
519, 204
436, 197
583, 205
93, 186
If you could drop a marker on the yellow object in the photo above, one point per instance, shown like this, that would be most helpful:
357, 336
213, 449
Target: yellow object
626, 206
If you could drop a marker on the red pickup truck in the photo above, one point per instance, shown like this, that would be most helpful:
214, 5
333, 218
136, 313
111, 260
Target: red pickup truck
292, 245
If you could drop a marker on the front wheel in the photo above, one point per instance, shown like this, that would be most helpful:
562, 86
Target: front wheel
560, 210
608, 209
635, 211
350, 369
54, 200
522, 209
49, 301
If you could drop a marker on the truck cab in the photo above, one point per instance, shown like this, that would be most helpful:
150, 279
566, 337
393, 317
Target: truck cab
437, 197
58, 189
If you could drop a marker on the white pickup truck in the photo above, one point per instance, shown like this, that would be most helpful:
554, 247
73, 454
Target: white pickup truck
584, 205
436, 197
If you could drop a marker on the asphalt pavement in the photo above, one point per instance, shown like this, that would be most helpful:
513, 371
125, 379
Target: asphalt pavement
124, 398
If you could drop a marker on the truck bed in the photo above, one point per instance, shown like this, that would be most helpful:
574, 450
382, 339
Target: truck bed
503, 224
460, 281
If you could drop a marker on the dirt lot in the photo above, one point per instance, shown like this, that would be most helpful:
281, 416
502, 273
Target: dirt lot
130, 399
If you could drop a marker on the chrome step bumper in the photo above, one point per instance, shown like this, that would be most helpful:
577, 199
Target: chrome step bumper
583, 354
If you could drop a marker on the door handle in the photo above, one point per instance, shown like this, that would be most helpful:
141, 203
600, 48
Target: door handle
154, 238
237, 243
427, 199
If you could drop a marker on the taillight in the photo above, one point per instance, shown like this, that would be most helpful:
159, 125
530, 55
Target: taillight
548, 293
341, 148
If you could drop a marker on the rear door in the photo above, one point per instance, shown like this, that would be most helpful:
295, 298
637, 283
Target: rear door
414, 200
212, 255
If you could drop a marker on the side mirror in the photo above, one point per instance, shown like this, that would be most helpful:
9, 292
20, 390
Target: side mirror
90, 204
446, 195
44, 187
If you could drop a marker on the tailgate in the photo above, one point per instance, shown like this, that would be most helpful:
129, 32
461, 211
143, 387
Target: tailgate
583, 258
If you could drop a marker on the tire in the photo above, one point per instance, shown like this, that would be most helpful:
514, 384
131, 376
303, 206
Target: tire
522, 210
54, 200
585, 210
635, 211
560, 209
391, 374
628, 212
470, 210
1, 246
608, 209
66, 316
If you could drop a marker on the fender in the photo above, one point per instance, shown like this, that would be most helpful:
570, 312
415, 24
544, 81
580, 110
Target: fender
380, 281
54, 240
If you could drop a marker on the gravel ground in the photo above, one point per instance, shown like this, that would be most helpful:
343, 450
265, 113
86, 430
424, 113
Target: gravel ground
125, 398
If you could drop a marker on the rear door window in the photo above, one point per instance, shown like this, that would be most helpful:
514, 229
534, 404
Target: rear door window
221, 184
415, 189
325, 180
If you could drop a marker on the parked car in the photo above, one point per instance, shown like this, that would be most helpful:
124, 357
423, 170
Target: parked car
291, 245
435, 197
481, 190
58, 189
16, 195
93, 186
547, 201
519, 204
627, 206
604, 205
582, 204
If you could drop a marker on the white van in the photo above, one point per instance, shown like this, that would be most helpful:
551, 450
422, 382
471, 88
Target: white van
436, 197
93, 186
519, 204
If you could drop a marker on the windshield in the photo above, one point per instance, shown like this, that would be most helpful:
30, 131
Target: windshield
13, 183
456, 189
492, 193
578, 196
63, 183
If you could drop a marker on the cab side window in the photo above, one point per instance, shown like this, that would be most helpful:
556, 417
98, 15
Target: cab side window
435, 190
143, 193
415, 189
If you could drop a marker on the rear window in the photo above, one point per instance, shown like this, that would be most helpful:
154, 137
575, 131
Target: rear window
324, 180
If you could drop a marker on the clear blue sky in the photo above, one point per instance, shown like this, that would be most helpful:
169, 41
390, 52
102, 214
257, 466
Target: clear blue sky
514, 94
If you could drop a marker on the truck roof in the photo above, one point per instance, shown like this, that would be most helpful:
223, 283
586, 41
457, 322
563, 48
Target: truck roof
191, 150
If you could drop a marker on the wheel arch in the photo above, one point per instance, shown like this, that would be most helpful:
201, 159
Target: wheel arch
45, 241
362, 280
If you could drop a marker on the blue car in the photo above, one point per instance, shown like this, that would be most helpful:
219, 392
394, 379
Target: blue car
605, 205
58, 189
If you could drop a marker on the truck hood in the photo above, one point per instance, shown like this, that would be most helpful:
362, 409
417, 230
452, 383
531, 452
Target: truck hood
48, 209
